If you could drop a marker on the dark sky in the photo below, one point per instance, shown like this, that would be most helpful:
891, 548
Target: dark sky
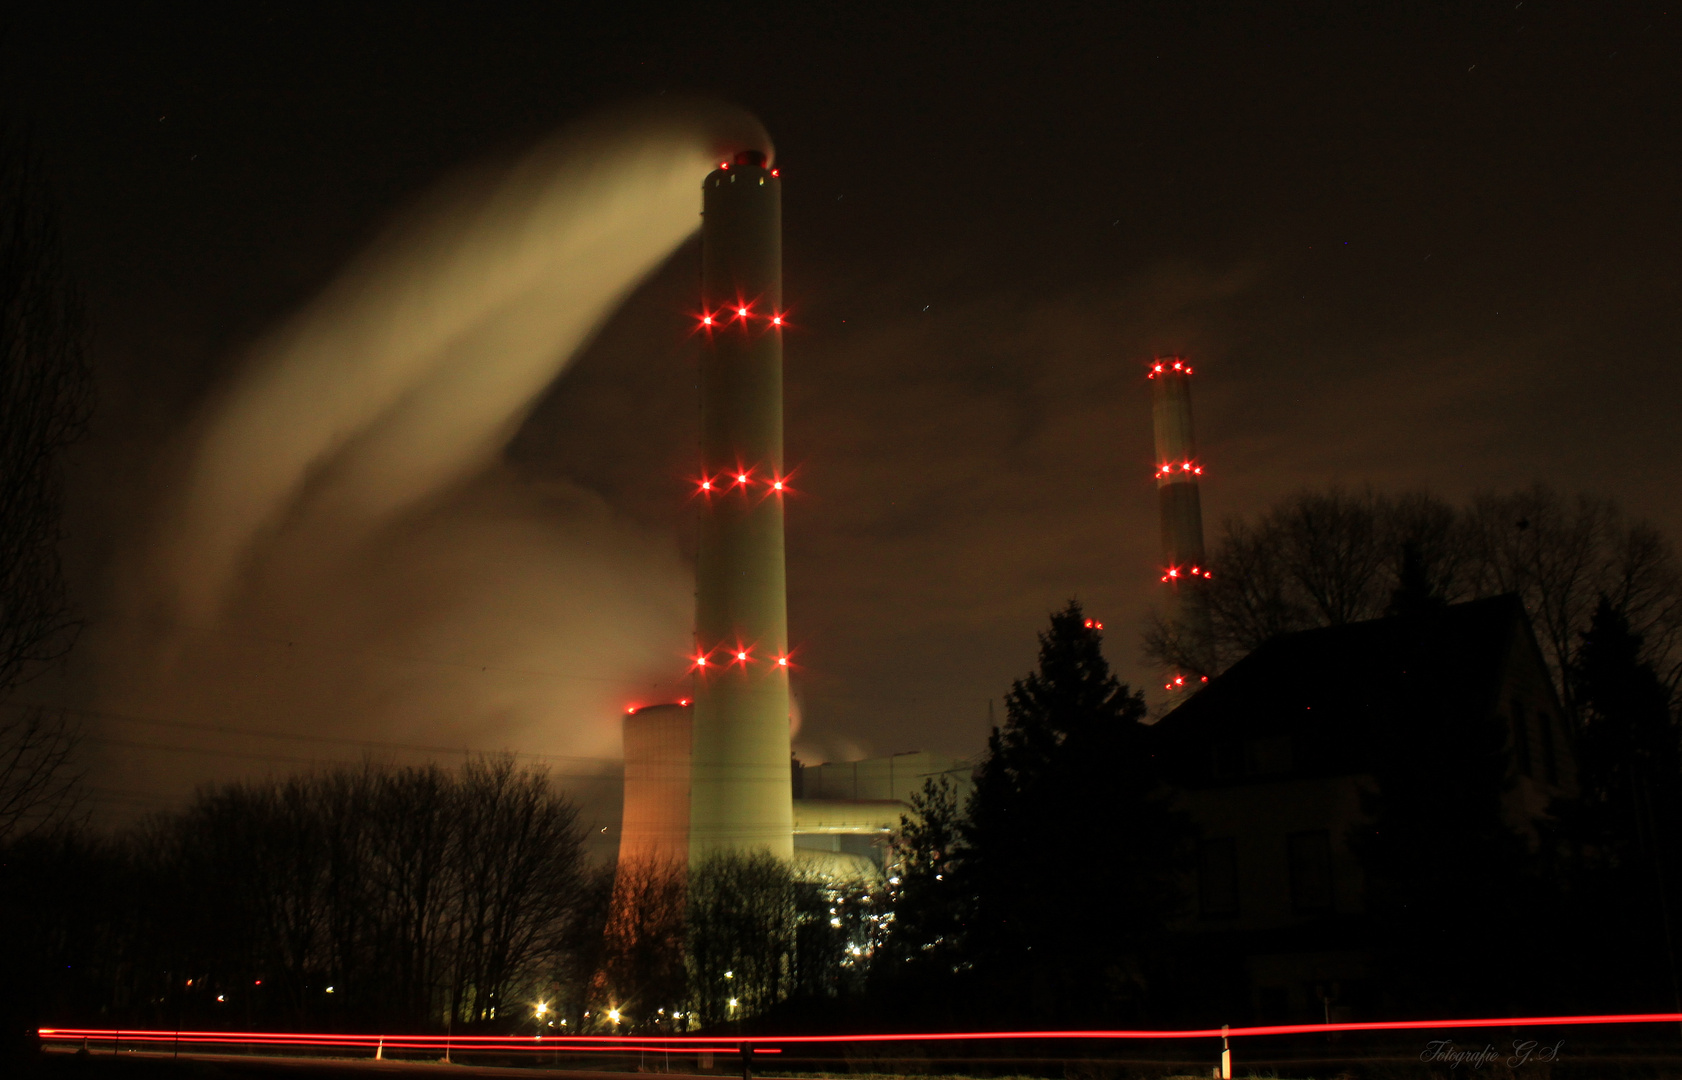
1413, 245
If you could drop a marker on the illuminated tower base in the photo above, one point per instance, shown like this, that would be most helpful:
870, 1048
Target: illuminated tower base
741, 799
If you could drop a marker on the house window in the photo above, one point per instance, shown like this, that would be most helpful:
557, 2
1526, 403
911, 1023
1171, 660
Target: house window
1550, 763
1310, 855
1217, 878
1521, 737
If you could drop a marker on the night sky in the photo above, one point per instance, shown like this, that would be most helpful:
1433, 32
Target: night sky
1419, 246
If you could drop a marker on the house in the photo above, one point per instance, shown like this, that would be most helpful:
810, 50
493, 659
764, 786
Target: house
1271, 760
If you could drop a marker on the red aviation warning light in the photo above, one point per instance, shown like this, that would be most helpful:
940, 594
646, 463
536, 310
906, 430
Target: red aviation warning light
782, 661
1094, 624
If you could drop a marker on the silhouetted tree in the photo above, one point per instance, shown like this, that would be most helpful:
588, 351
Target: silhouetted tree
742, 918
925, 942
642, 967
1333, 557
516, 870
1623, 830
1071, 850
45, 394
416, 894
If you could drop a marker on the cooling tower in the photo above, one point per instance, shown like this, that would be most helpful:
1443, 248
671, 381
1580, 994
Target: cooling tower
1177, 473
741, 798
654, 830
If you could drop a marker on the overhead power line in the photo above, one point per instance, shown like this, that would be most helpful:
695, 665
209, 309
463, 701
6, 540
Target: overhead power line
293, 736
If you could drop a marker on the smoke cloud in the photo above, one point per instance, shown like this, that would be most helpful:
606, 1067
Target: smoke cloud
343, 547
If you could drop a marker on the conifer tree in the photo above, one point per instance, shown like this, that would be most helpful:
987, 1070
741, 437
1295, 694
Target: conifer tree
1625, 826
1070, 847
926, 940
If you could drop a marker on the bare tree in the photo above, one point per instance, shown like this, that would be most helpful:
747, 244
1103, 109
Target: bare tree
642, 969
517, 871
45, 394
742, 919
1326, 558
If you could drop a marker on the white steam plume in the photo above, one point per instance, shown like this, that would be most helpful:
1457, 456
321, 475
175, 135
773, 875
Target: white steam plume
346, 493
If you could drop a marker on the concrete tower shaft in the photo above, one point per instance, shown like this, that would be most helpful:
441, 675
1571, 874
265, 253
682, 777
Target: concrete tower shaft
1177, 472
741, 798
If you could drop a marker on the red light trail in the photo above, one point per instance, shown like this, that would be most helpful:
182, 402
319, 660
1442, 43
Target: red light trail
714, 1042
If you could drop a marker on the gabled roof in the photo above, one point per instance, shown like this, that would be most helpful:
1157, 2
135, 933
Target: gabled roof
1327, 687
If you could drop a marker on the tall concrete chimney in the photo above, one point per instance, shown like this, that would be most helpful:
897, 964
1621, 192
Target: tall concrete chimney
1178, 470
740, 795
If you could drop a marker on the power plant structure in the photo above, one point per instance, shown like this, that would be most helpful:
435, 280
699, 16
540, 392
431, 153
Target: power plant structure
842, 813
1178, 470
740, 779
715, 774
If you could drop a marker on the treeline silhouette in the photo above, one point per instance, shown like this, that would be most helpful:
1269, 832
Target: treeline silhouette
352, 897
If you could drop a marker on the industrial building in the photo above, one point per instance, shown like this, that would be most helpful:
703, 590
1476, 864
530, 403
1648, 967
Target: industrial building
842, 813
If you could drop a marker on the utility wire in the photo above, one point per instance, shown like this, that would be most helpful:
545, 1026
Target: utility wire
290, 736
143, 625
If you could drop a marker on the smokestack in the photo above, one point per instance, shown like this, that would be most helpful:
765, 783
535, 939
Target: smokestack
1178, 470
741, 798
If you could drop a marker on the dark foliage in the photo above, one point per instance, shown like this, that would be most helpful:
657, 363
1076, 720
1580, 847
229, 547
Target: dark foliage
398, 898
1622, 836
1327, 558
1071, 853
45, 398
